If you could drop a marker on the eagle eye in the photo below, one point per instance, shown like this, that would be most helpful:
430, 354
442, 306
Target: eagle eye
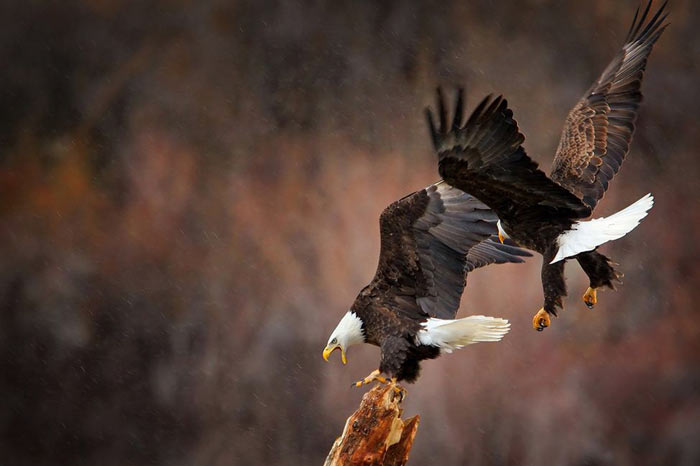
334, 341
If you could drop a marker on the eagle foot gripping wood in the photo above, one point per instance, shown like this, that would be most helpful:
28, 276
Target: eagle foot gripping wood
374, 376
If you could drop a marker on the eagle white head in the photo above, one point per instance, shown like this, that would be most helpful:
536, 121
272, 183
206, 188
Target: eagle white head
502, 235
347, 333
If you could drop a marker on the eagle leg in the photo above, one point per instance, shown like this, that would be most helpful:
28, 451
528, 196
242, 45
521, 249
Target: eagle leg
375, 375
554, 287
590, 297
399, 391
600, 271
541, 320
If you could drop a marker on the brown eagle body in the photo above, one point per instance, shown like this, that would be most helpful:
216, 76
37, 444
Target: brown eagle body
430, 240
484, 157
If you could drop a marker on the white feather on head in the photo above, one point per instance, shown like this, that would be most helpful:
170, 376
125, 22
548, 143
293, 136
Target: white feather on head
348, 332
501, 231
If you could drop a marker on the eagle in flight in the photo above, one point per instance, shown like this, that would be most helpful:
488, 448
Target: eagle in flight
485, 158
430, 240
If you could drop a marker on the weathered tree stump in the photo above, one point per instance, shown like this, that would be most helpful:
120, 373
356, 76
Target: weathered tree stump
375, 434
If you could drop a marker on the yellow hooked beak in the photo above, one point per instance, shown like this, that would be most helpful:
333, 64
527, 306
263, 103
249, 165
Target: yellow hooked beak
500, 237
329, 349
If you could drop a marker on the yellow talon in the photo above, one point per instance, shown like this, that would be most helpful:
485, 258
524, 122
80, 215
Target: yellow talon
399, 391
372, 377
541, 320
590, 297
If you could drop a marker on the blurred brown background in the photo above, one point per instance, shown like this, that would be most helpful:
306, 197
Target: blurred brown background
189, 195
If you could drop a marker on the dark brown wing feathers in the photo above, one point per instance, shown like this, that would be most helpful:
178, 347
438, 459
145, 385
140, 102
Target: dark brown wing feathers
598, 130
491, 251
429, 241
485, 158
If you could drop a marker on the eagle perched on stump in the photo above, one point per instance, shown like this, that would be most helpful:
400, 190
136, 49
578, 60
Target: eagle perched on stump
430, 240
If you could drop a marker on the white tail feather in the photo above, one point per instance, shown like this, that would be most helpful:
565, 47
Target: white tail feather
450, 335
586, 236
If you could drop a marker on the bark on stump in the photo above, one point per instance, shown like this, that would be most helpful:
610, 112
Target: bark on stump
375, 434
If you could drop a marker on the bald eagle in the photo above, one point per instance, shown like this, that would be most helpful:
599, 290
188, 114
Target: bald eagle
430, 240
485, 157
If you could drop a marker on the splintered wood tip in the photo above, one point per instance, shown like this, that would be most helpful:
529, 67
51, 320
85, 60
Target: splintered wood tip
375, 434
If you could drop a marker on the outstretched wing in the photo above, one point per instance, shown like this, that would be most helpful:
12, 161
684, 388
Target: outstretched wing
598, 130
491, 251
429, 241
484, 157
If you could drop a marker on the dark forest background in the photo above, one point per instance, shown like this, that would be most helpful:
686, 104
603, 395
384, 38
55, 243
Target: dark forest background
189, 201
